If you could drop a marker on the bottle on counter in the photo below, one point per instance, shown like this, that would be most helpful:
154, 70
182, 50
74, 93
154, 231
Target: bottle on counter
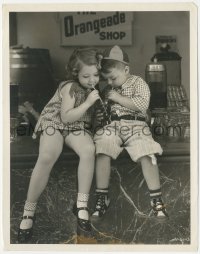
170, 130
187, 132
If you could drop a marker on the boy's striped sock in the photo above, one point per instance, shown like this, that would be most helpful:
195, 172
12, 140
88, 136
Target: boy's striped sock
157, 203
155, 193
102, 202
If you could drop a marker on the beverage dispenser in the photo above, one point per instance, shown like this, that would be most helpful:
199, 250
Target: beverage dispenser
172, 62
156, 78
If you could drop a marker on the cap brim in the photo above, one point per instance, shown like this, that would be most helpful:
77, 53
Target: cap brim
109, 58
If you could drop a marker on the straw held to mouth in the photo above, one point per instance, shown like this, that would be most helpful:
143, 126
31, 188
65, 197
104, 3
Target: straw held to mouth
102, 104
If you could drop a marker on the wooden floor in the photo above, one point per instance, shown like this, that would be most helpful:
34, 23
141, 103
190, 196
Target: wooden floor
128, 220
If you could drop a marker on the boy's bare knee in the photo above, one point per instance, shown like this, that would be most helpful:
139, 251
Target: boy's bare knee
148, 160
143, 160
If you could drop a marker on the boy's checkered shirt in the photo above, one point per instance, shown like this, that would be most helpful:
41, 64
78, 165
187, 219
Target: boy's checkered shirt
136, 89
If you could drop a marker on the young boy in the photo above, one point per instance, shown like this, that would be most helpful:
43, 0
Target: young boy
129, 96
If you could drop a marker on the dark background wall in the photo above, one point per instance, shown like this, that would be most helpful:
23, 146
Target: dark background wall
42, 30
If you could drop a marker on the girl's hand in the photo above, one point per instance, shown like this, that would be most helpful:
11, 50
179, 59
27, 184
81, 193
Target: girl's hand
22, 109
28, 106
114, 96
92, 97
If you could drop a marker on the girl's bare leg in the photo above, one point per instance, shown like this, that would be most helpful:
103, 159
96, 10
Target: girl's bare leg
82, 143
49, 151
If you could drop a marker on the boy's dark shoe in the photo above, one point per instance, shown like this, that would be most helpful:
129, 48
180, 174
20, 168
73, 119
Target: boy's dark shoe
102, 204
159, 209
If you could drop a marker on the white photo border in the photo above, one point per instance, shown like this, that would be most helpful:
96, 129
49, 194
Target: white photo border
193, 120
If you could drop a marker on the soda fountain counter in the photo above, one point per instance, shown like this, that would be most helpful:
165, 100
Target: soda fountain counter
169, 105
170, 127
172, 131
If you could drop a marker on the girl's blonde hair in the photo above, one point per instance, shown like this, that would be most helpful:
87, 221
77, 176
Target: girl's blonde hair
80, 57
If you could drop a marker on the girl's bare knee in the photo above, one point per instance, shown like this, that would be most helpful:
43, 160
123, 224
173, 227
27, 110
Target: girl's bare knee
87, 152
46, 158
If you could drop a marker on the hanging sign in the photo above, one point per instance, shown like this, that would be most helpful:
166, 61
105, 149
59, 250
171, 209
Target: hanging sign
96, 28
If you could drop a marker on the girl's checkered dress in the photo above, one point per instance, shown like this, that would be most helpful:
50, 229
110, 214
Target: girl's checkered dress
50, 117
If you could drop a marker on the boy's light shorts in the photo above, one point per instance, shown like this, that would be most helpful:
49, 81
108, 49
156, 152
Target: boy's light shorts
134, 136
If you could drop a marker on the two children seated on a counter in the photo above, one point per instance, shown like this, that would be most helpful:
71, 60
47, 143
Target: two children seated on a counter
73, 106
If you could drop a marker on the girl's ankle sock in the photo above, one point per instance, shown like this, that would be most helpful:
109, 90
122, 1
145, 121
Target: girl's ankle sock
82, 201
29, 210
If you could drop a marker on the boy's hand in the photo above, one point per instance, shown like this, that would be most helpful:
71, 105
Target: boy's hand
114, 96
92, 97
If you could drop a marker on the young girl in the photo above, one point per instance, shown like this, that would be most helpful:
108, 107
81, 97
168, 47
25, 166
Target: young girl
66, 119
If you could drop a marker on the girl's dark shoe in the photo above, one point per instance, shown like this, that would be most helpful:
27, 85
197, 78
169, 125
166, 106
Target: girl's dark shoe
24, 235
84, 225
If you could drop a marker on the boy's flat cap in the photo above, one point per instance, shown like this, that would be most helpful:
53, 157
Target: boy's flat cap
117, 54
